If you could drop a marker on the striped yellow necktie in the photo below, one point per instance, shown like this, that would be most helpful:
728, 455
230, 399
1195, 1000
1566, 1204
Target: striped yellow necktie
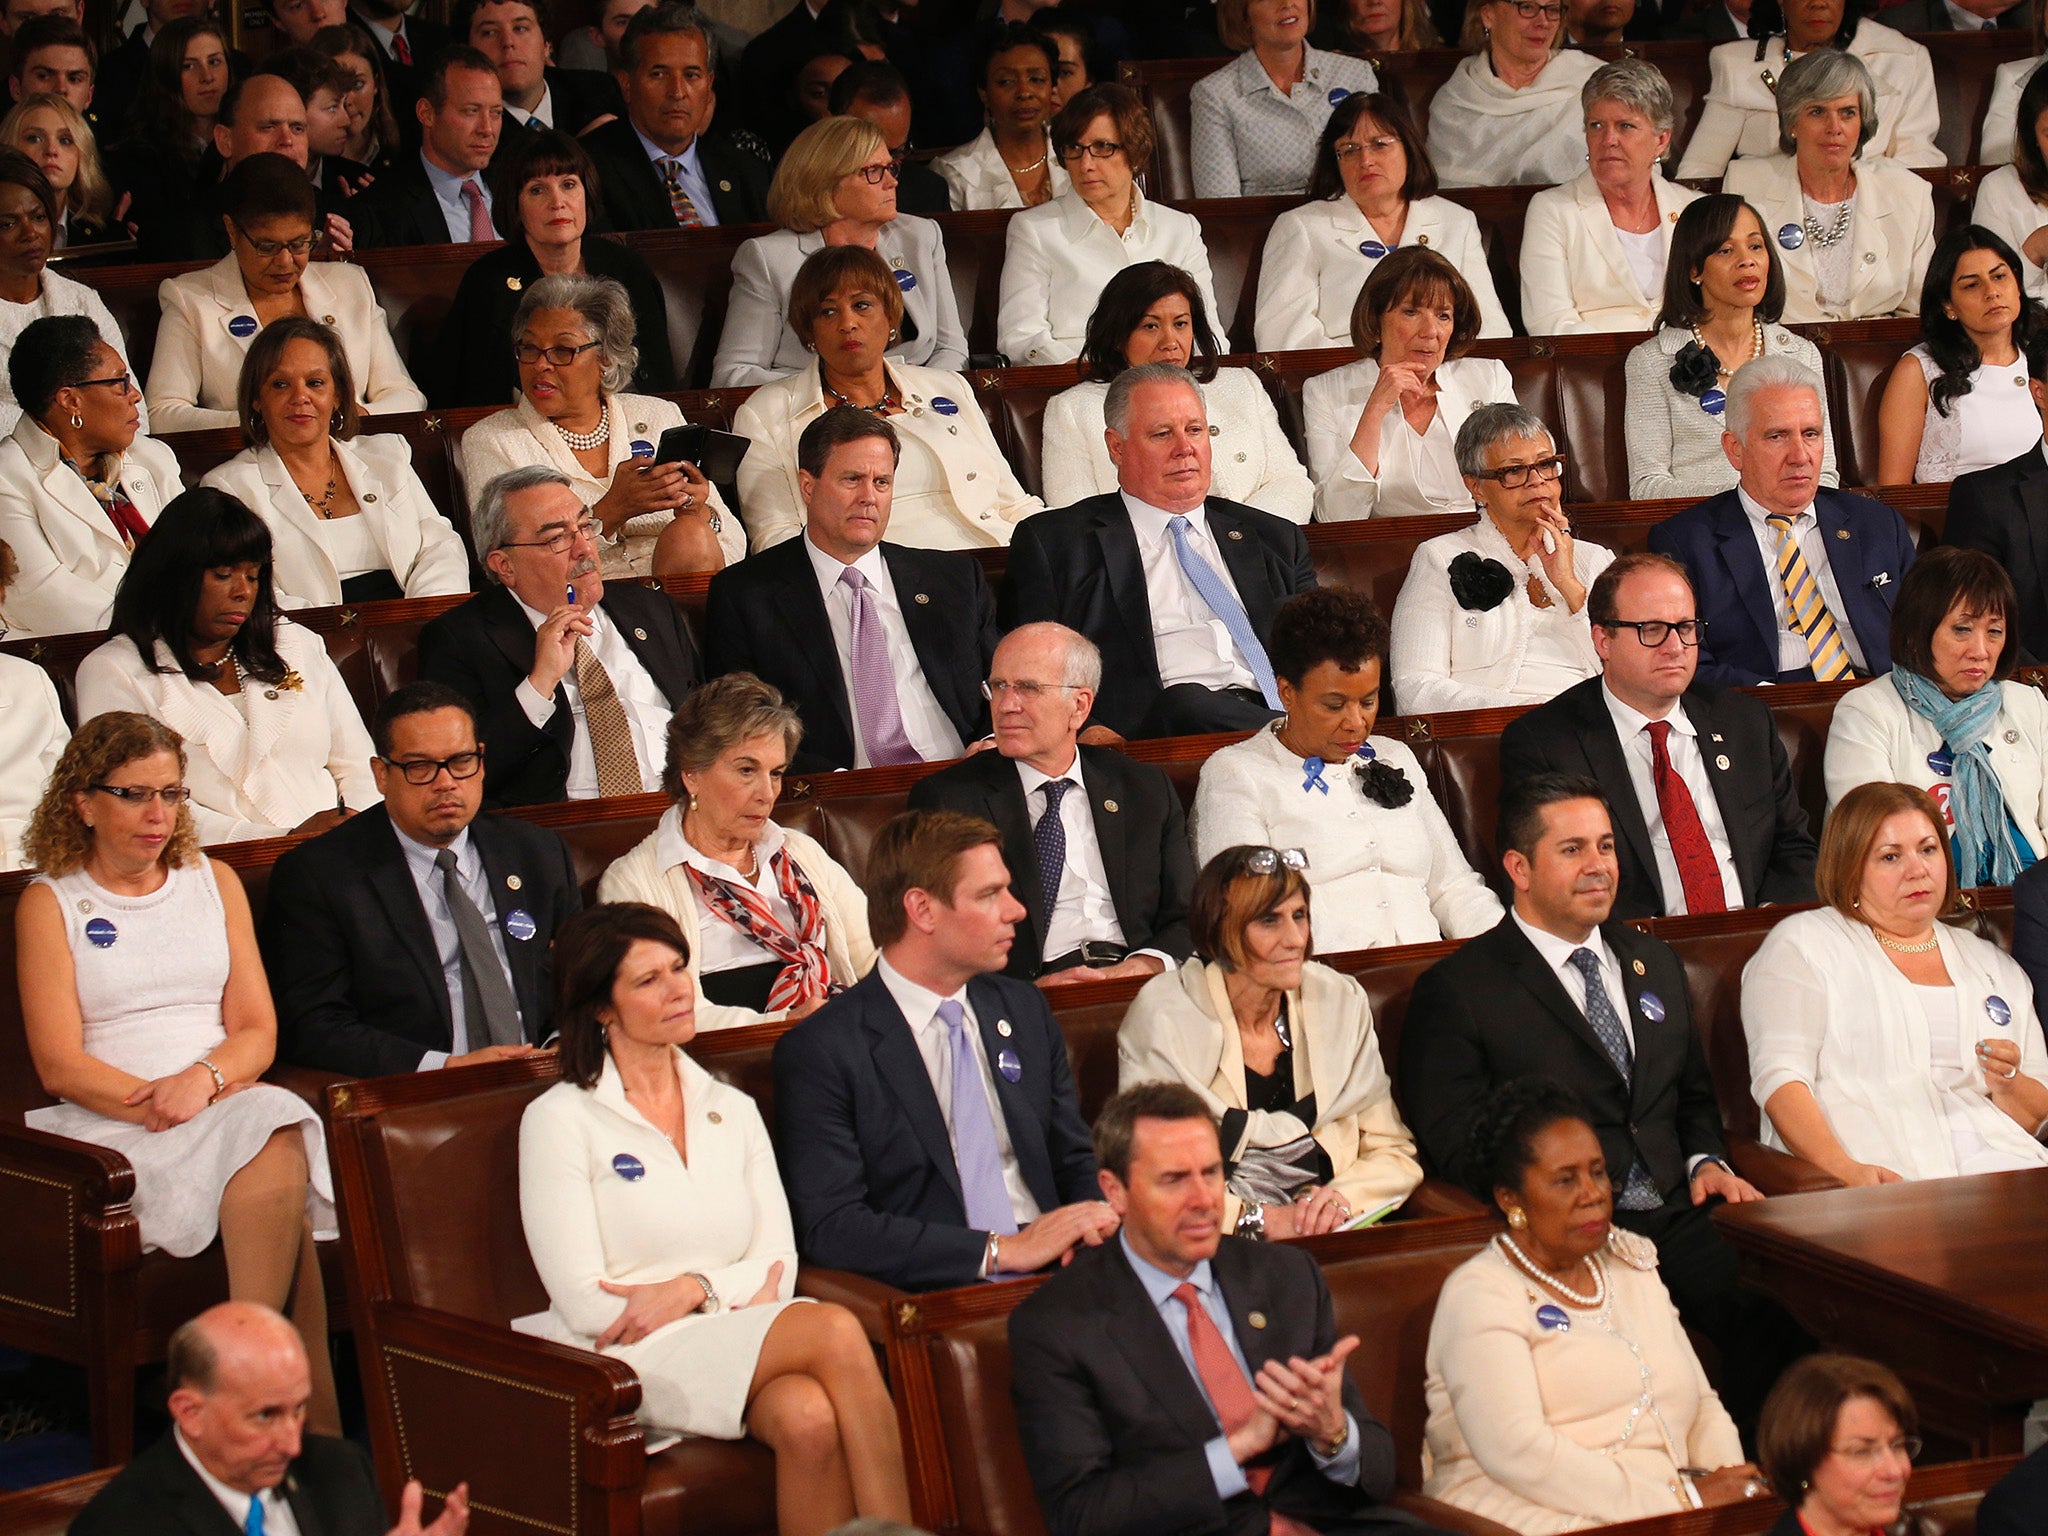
1807, 608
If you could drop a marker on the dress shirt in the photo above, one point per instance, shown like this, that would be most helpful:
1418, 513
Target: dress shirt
1188, 640
1086, 909
476, 884
447, 187
1341, 1469
387, 37
1965, 21
924, 722
720, 946
647, 707
690, 171
543, 111
278, 1519
1793, 655
1633, 728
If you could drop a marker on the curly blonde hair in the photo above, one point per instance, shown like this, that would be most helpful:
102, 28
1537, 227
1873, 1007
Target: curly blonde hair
58, 842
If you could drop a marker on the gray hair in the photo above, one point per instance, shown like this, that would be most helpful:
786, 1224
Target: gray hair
1080, 661
1636, 84
1822, 75
607, 314
1490, 426
1775, 371
1116, 405
668, 20
488, 517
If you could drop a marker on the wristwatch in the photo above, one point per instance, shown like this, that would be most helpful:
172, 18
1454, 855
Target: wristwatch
711, 1302
220, 1083
1252, 1222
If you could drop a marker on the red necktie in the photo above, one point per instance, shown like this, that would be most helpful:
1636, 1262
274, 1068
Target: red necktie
1698, 874
1230, 1394
401, 49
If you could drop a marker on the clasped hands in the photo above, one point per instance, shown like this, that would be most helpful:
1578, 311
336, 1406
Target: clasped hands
1303, 1398
649, 1307
171, 1101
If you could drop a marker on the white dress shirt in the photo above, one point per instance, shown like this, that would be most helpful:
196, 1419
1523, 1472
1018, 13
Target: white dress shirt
924, 722
1557, 954
1633, 728
278, 1519
1188, 640
720, 946
476, 884
448, 187
689, 171
543, 111
1084, 907
1793, 654
647, 707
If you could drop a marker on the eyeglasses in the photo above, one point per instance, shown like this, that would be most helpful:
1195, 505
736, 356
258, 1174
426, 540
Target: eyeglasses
1351, 149
131, 794
874, 175
424, 770
1529, 10
1024, 692
1101, 149
121, 381
1264, 861
530, 355
269, 250
560, 542
1654, 632
1864, 1452
1513, 477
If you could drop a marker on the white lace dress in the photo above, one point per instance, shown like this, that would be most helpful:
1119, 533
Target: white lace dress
1994, 422
151, 971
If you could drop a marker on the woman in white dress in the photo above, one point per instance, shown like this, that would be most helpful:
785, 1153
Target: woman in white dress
1152, 313
1958, 401
28, 290
1382, 859
151, 1021
1010, 164
1373, 190
655, 1215
1253, 125
1885, 1044
1381, 431
32, 735
1510, 114
2012, 202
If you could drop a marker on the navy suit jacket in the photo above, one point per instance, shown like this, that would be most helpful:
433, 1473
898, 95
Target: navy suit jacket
2018, 1506
1869, 550
873, 1184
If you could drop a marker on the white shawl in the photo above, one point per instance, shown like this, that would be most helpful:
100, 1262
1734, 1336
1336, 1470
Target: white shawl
1484, 133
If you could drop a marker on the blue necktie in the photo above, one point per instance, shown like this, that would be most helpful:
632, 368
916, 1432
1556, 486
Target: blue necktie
1224, 604
1049, 838
974, 1134
1639, 1190
252, 1523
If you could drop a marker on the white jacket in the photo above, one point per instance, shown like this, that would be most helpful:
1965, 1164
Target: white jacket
2002, 116
208, 325
71, 558
1330, 407
1575, 275
977, 177
1313, 269
1892, 235
1483, 133
420, 546
2004, 208
32, 738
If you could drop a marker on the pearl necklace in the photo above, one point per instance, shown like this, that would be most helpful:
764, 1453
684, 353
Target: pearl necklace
1756, 346
1825, 238
1543, 1277
1897, 948
583, 442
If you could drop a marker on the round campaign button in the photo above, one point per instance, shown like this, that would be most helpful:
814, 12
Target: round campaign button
1998, 1010
1652, 1006
1713, 402
1365, 753
1371, 250
905, 279
1009, 1064
1791, 236
642, 449
243, 326
629, 1167
1555, 1317
944, 406
520, 925
1941, 762
1338, 95
101, 933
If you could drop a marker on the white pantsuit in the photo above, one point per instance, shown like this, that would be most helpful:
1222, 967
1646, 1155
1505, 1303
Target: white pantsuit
1575, 276
32, 738
1418, 474
2004, 208
1485, 133
2001, 117
1892, 236
977, 177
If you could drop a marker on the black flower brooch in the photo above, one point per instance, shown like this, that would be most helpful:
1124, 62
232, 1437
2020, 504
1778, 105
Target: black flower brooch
1382, 783
1479, 583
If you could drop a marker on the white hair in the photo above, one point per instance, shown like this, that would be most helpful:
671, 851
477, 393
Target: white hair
1775, 371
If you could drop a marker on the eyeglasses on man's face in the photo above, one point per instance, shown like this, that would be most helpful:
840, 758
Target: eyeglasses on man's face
560, 542
1513, 477
1654, 632
424, 770
530, 356
1023, 690
137, 794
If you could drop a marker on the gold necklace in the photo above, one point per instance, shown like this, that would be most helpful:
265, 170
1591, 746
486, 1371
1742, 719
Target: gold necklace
1897, 948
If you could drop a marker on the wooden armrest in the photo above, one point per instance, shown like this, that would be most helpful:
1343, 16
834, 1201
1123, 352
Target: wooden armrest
868, 1300
98, 1173
1439, 1197
1775, 1172
1449, 1517
67, 1214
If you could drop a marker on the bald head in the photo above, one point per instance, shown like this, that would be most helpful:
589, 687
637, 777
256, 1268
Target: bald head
239, 1385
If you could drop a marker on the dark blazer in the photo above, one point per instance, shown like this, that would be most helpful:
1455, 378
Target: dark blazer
1768, 839
2018, 1506
1495, 1011
175, 204
400, 208
580, 96
406, 82
1709, 21
634, 197
1079, 567
873, 1185
765, 615
922, 190
1139, 824
2030, 930
1933, 16
2003, 511
1869, 550
352, 963
1113, 1422
331, 1489
484, 650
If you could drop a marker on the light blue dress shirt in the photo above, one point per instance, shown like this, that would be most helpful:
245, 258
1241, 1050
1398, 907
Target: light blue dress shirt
691, 174
469, 870
448, 193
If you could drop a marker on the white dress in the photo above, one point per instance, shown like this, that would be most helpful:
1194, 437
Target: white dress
32, 738
1994, 422
151, 972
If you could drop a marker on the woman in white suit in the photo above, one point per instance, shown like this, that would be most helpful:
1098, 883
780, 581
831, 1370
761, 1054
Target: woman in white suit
1059, 256
954, 489
75, 500
1510, 113
1594, 249
2012, 202
32, 736
1854, 232
210, 318
1373, 190
275, 743
835, 186
349, 520
1010, 164
1999, 142
1885, 1044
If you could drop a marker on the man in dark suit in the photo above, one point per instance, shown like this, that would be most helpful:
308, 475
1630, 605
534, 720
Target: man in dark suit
382, 961
1705, 813
911, 631
411, 43
1935, 16
1176, 588
875, 91
573, 681
2003, 511
238, 1384
440, 193
1181, 1380
1795, 581
1106, 881
2018, 1506
925, 1119
513, 35
1562, 989
660, 165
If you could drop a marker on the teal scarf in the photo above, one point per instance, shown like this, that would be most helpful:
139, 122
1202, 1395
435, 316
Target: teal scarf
1988, 848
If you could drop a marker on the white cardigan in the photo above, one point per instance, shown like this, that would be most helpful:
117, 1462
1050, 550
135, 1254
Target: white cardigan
1313, 269
32, 738
1250, 459
977, 177
260, 763
2004, 208
1892, 236
1821, 1005
1575, 275
1483, 133
1330, 407
2001, 117
420, 547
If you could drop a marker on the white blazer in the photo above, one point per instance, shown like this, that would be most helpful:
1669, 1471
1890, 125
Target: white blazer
1330, 407
1250, 459
71, 558
208, 324
977, 177
2004, 208
1740, 118
758, 347
1821, 1005
1575, 275
420, 547
981, 501
260, 763
1057, 259
32, 738
2001, 118
1892, 232
1314, 266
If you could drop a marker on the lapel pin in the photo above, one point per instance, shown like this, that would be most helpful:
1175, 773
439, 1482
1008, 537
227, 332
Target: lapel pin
1109, 806
1256, 1319
1841, 533
1009, 1064
920, 598
715, 1118
1652, 1006
1422, 239
639, 426
514, 284
639, 633
513, 882
1234, 534
1003, 1028
1716, 735
1721, 762
327, 319
725, 186
372, 496
1639, 968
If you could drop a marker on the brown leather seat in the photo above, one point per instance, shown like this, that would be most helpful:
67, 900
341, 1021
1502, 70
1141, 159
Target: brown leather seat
1859, 358
695, 269
974, 257
50, 1509
1592, 402
1234, 231
1020, 396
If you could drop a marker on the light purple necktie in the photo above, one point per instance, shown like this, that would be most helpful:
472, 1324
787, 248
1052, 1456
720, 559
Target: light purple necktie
974, 1134
874, 681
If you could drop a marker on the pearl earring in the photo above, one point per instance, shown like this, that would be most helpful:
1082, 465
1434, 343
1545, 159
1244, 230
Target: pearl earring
1517, 1219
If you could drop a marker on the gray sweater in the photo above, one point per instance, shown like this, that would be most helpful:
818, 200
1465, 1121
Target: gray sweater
1674, 447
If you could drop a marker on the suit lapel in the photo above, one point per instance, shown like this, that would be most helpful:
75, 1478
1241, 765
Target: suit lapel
1534, 973
1724, 782
1866, 612
1609, 763
185, 1499
801, 609
399, 895
899, 1064
1097, 782
1126, 574
1011, 812
933, 633
1027, 1138
1651, 1036
525, 955
1140, 1332
305, 1508
1744, 562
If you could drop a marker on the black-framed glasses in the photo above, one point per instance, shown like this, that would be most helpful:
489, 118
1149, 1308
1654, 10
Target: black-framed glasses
874, 175
1101, 149
1654, 632
1513, 477
121, 381
136, 794
1023, 690
530, 355
1265, 861
1529, 10
424, 770
270, 250
560, 542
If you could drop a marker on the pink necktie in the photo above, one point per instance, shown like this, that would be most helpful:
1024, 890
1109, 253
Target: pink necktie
480, 227
874, 684
1229, 1394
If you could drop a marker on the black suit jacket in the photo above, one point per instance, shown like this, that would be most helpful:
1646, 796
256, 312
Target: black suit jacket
2003, 511
400, 208
634, 197
873, 1184
406, 82
1113, 1422
331, 1490
2030, 929
484, 650
1495, 1010
765, 615
2018, 1506
1139, 825
1768, 839
1079, 566
580, 96
352, 962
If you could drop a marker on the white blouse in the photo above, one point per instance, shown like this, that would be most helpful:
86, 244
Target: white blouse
1418, 471
1994, 422
2004, 207
2001, 117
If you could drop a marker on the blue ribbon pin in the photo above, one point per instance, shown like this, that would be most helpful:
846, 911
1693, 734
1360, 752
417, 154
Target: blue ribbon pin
1371, 250
101, 934
243, 326
1338, 95
642, 449
1791, 236
945, 406
1312, 775
1713, 402
1941, 762
519, 924
1998, 1009
905, 279
1652, 1006
1009, 1064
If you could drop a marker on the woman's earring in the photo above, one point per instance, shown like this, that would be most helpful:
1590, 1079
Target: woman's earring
334, 422
77, 421
1517, 1219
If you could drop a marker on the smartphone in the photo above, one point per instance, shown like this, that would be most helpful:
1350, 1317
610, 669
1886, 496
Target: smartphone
715, 454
